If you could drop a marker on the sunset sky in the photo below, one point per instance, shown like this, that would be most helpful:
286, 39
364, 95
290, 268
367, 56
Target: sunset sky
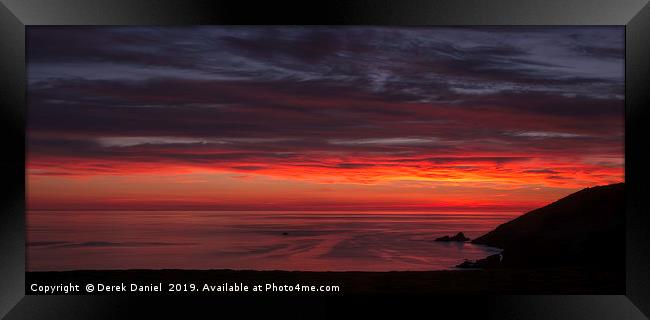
321, 118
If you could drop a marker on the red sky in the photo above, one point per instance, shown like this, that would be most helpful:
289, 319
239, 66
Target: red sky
357, 119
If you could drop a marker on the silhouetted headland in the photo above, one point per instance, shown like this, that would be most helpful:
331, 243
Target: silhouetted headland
584, 229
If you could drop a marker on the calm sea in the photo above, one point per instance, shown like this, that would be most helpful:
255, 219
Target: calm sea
308, 241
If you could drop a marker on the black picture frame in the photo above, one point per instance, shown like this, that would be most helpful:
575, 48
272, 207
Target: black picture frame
15, 15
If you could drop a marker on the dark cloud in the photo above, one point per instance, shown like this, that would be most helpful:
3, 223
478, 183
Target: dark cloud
556, 177
498, 160
242, 97
601, 52
549, 171
249, 168
313, 45
354, 165
104, 45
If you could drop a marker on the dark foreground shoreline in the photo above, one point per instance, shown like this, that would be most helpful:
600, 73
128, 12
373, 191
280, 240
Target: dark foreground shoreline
567, 280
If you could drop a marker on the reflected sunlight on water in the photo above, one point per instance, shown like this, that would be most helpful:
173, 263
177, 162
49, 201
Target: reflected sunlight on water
306, 241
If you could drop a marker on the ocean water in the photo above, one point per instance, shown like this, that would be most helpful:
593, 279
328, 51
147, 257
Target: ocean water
306, 241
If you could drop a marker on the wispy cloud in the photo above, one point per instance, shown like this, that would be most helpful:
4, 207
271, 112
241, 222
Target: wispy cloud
371, 106
397, 141
546, 134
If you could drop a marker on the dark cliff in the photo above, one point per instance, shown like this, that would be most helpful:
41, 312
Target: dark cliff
586, 228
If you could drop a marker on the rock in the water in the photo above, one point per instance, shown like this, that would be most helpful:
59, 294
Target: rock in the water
458, 237
492, 261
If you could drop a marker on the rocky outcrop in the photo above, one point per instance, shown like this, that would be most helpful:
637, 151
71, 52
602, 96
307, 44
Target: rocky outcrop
577, 230
493, 261
458, 237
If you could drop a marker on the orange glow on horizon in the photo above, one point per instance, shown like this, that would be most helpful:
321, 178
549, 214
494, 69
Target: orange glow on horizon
416, 186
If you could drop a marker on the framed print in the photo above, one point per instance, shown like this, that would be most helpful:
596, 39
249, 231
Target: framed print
463, 158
